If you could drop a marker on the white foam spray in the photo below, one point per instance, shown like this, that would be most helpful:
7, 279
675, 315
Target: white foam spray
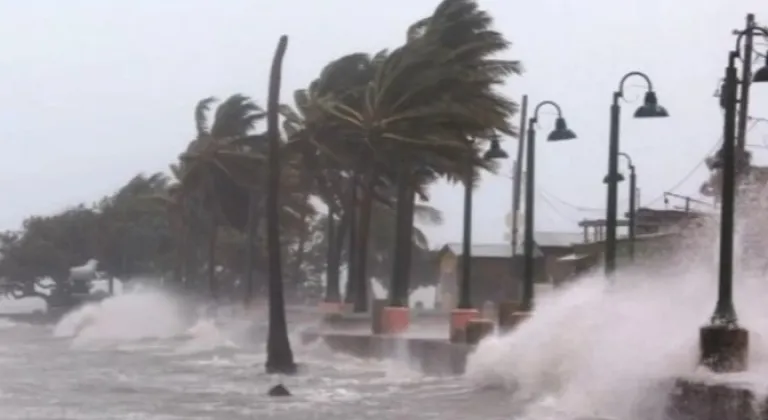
602, 349
140, 314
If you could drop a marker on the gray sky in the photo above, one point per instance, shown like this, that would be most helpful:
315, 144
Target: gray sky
95, 91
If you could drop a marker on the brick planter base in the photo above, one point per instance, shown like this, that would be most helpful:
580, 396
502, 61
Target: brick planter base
477, 329
331, 308
506, 311
394, 320
459, 320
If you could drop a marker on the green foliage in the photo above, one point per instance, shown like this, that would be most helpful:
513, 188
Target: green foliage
124, 232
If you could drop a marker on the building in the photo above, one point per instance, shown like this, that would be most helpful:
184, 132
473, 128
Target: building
560, 256
659, 235
496, 274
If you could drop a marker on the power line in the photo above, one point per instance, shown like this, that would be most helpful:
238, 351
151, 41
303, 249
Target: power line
558, 199
555, 209
695, 168
567, 204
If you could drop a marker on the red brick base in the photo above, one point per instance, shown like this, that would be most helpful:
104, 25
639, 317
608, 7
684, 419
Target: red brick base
328, 308
477, 329
395, 320
459, 320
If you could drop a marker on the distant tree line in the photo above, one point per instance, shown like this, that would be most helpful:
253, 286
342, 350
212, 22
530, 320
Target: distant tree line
136, 232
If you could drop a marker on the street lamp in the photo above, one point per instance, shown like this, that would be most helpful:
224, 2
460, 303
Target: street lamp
632, 205
723, 343
561, 132
649, 109
762, 74
465, 294
464, 311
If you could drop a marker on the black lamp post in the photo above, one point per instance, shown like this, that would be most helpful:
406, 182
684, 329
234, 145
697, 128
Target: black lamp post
649, 109
561, 132
465, 294
632, 205
723, 343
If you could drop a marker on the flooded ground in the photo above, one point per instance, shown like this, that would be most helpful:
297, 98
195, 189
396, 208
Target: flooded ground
115, 362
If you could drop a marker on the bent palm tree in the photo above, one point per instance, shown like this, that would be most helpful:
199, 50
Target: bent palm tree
279, 354
211, 163
423, 104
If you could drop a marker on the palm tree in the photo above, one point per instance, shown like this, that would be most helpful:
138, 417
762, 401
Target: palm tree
423, 103
279, 354
325, 150
214, 170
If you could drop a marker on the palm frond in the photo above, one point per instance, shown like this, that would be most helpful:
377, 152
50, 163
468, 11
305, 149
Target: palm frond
201, 115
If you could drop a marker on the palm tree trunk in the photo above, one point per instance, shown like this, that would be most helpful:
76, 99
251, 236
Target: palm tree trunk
364, 227
300, 252
254, 216
405, 283
333, 257
179, 262
196, 262
352, 210
279, 354
399, 284
212, 286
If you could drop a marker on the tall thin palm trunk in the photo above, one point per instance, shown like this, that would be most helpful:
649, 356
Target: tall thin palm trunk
180, 263
333, 257
279, 353
364, 227
298, 274
213, 288
401, 270
254, 216
352, 210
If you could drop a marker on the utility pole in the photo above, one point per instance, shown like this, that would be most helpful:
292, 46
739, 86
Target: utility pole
518, 175
746, 80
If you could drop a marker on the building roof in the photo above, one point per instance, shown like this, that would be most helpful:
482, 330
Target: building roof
501, 250
488, 250
557, 239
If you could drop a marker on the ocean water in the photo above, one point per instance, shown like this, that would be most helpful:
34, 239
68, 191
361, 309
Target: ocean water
138, 356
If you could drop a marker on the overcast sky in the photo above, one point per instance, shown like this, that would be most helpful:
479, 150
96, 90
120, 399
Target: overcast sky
93, 92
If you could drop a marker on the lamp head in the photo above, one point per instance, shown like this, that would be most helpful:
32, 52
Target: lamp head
761, 75
561, 131
651, 107
495, 151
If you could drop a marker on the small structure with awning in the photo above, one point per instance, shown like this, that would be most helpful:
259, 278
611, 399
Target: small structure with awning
496, 273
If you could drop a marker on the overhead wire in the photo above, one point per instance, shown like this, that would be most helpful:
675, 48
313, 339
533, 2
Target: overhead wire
556, 198
555, 209
567, 204
548, 197
694, 169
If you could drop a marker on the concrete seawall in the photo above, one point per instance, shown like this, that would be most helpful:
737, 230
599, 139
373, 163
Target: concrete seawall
431, 356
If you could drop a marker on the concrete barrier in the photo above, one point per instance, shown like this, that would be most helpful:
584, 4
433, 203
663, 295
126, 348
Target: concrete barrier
430, 356
694, 399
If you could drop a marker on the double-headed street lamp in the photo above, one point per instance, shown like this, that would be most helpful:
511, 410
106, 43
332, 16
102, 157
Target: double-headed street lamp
723, 343
561, 132
465, 294
649, 109
632, 206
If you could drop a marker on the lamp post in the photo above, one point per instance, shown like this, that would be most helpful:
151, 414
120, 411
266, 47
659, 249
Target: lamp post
464, 311
465, 294
649, 109
632, 205
723, 343
561, 132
